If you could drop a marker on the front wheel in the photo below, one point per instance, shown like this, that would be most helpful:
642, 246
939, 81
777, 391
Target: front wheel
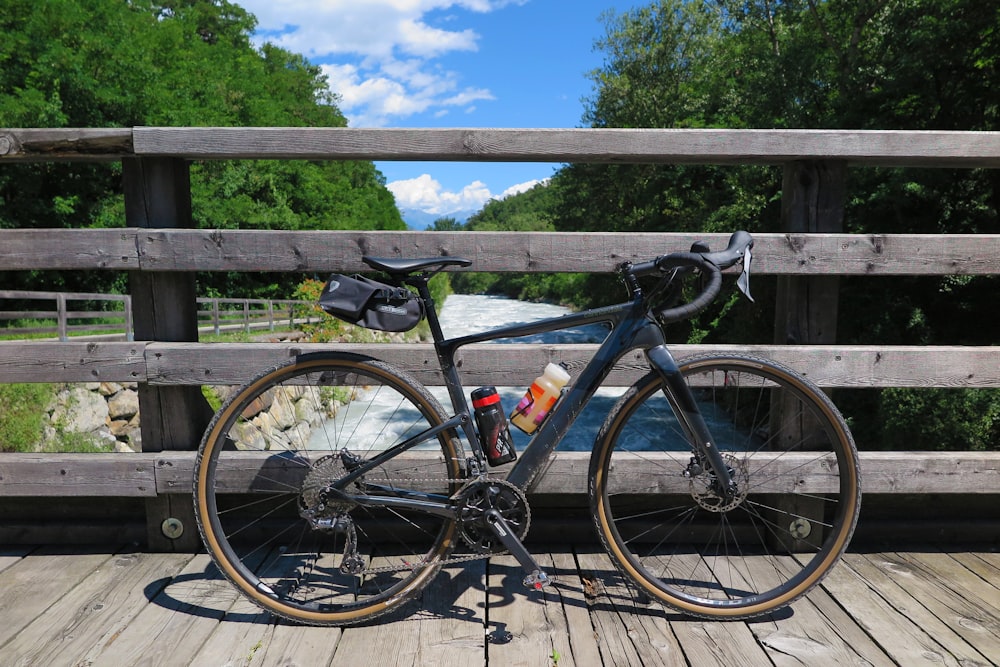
275, 515
716, 555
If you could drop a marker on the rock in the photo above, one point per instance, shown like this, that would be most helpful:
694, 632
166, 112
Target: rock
110, 388
123, 405
119, 428
79, 410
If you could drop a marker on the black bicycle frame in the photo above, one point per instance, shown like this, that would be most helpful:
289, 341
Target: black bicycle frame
631, 328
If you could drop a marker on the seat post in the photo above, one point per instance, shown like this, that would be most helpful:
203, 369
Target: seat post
420, 281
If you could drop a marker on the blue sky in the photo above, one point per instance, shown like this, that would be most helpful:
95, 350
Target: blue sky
448, 63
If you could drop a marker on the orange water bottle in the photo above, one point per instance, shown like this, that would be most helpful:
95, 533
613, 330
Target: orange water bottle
539, 399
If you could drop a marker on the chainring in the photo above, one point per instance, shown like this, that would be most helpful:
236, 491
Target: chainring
483, 495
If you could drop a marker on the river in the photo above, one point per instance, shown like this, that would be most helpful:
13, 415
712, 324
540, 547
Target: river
465, 314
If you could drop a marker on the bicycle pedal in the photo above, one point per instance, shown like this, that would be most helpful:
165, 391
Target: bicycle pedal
537, 580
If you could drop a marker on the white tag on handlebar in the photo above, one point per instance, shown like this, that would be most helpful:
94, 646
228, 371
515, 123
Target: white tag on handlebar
743, 282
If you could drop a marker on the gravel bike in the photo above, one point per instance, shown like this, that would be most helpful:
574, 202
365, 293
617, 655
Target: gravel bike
332, 488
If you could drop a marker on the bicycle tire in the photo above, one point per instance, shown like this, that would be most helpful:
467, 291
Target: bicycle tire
686, 546
259, 468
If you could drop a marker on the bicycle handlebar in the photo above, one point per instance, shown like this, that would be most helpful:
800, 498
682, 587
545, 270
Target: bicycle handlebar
709, 263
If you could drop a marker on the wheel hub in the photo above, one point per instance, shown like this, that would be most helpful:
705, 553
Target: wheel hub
704, 488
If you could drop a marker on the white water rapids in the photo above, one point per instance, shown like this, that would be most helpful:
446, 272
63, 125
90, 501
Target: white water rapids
465, 314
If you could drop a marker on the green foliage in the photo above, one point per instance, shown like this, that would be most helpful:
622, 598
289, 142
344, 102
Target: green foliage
530, 211
103, 63
906, 418
22, 407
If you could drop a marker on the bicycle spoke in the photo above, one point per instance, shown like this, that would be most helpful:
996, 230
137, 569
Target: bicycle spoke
265, 484
715, 552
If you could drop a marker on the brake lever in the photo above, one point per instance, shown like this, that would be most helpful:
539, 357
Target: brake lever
743, 282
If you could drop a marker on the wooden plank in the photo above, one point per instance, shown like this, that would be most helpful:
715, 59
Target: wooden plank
148, 474
68, 249
38, 581
92, 144
526, 627
962, 626
906, 642
633, 634
71, 631
882, 472
76, 475
583, 640
594, 252
449, 619
9, 555
295, 646
814, 630
697, 146
444, 626
856, 366
24, 361
853, 366
177, 622
321, 251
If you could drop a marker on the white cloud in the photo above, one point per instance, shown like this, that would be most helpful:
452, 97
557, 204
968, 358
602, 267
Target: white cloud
379, 53
427, 195
522, 187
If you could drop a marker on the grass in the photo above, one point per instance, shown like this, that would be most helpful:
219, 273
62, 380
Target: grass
22, 415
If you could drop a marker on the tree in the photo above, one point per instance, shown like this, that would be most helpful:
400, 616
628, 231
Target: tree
105, 63
865, 64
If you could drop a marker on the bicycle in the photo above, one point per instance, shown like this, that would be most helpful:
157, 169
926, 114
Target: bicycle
722, 486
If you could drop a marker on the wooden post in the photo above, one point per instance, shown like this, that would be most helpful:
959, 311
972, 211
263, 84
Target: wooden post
812, 201
62, 324
158, 195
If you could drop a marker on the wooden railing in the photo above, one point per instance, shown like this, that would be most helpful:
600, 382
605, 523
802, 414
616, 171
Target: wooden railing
160, 252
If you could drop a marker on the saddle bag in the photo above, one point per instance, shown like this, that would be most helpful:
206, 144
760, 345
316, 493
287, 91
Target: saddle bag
371, 304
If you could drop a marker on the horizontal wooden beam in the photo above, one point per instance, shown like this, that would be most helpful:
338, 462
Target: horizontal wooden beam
91, 144
676, 146
609, 145
77, 475
852, 366
594, 252
148, 474
27, 361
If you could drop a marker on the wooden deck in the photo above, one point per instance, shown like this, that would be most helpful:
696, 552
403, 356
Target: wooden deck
65, 606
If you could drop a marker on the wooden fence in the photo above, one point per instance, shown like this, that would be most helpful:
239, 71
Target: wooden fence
214, 314
133, 494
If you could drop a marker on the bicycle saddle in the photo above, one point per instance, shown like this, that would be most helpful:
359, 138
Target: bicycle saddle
401, 265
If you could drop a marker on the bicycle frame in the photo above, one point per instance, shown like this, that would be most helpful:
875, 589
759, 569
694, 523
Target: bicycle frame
631, 328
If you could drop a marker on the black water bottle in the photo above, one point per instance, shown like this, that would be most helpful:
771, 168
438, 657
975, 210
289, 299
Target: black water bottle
492, 422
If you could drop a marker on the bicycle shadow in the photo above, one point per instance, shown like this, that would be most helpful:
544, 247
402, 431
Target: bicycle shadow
466, 593
603, 590
455, 593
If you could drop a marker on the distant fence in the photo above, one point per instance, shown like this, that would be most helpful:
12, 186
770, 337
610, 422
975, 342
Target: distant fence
215, 314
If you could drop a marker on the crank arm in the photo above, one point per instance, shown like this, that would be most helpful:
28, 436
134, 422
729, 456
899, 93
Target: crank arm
536, 577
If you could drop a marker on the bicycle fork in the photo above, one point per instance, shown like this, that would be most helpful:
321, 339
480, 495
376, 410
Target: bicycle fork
686, 409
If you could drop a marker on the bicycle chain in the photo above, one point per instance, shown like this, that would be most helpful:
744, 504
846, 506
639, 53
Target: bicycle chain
453, 560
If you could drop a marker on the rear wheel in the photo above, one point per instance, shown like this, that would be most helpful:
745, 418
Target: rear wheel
270, 510
705, 553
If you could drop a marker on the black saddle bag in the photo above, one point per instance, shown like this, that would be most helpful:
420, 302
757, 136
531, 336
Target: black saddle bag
371, 304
